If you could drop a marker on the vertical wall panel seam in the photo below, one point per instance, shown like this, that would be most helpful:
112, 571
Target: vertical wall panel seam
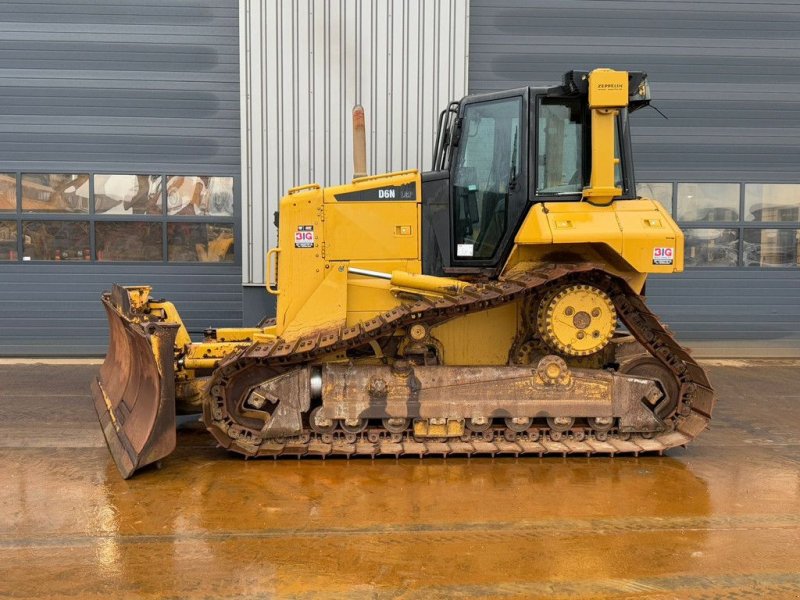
326, 86
245, 105
421, 67
342, 45
310, 70
279, 133
388, 40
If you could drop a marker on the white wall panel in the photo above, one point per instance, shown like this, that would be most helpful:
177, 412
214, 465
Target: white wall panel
306, 63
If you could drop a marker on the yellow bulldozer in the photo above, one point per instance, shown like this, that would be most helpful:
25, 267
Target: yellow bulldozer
490, 306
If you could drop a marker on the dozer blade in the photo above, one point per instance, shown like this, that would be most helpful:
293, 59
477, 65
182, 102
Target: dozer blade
134, 395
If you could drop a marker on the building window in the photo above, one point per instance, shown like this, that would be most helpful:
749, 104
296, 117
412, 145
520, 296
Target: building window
192, 196
711, 247
57, 193
146, 217
128, 194
772, 202
8, 192
138, 241
56, 240
200, 242
771, 247
708, 202
8, 240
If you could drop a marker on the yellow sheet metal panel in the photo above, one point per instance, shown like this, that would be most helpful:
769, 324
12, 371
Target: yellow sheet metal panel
652, 242
640, 232
372, 230
374, 218
301, 266
367, 298
480, 338
535, 229
581, 222
324, 309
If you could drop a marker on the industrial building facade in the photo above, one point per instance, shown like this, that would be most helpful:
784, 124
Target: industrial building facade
150, 143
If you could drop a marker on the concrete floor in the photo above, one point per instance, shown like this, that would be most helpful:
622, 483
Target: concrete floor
720, 519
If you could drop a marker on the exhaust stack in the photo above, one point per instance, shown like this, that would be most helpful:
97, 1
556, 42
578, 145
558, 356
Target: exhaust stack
359, 143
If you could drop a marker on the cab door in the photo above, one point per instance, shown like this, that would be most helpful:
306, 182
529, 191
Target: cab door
489, 179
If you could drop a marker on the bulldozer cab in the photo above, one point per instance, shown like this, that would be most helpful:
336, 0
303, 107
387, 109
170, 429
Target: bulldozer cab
496, 154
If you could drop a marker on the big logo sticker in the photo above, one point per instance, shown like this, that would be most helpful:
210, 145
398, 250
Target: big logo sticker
663, 256
304, 236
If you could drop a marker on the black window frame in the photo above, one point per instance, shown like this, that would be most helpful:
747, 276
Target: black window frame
518, 200
623, 140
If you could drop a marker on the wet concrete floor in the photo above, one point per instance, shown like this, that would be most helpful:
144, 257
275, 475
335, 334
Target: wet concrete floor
719, 519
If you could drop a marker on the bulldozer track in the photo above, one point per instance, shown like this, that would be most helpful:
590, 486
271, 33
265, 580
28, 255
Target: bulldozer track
264, 360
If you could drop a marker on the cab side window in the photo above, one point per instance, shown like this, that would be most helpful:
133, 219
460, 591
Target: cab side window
486, 170
560, 147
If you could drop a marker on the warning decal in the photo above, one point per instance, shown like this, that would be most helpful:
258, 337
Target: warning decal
663, 256
304, 236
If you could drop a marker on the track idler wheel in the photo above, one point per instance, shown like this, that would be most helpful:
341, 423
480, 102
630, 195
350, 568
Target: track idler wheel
649, 367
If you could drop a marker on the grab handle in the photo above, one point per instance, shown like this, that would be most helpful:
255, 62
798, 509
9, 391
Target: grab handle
270, 288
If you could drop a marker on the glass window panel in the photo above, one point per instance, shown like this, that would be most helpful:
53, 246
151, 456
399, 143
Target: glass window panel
711, 247
61, 193
200, 242
708, 202
127, 194
560, 147
8, 192
55, 240
772, 202
486, 162
771, 247
128, 240
662, 192
8, 240
193, 196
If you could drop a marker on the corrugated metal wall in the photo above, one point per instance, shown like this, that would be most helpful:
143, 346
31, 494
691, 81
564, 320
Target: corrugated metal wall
306, 63
121, 86
727, 74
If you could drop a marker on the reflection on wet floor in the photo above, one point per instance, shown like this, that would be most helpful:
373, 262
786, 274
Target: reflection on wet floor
718, 519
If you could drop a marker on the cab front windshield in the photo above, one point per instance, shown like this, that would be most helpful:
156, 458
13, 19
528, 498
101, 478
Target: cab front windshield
486, 170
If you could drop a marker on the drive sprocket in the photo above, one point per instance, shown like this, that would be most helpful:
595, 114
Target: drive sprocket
577, 320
